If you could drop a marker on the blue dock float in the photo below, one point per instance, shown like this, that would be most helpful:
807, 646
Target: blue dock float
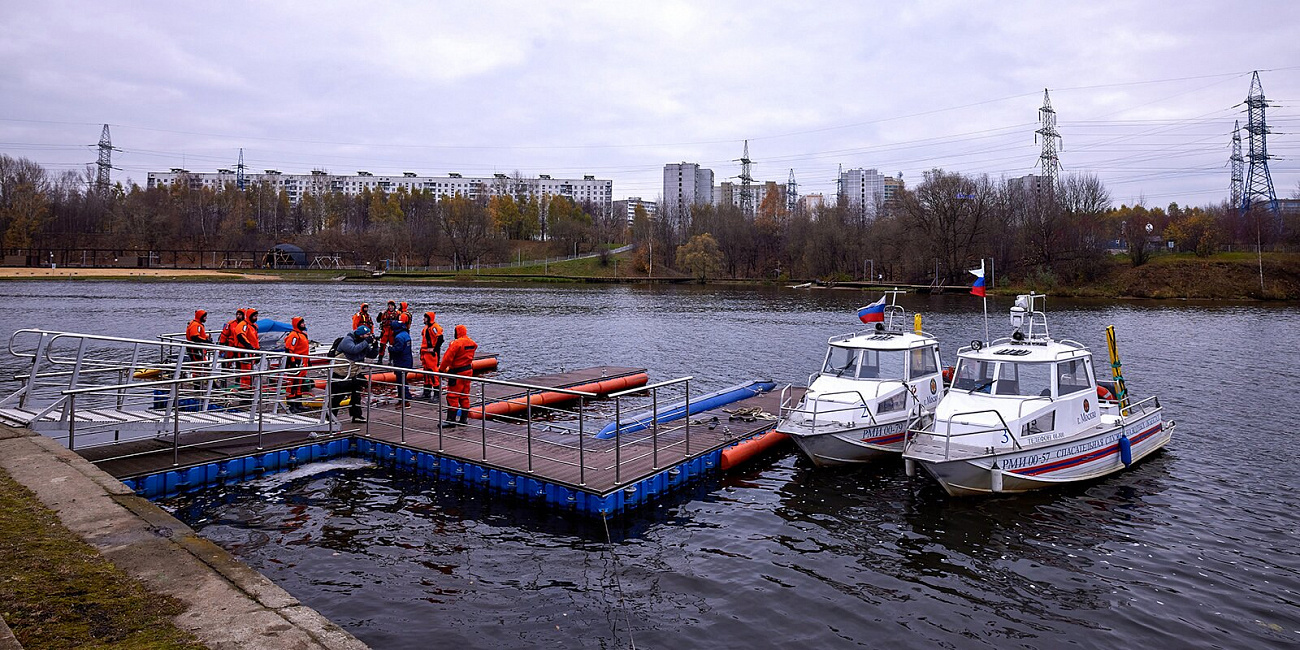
597, 478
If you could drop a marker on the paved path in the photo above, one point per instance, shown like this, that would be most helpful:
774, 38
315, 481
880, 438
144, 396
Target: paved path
228, 604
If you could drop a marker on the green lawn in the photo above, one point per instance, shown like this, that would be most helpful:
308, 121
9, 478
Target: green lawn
58, 592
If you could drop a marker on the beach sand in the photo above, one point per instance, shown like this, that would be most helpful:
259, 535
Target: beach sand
45, 273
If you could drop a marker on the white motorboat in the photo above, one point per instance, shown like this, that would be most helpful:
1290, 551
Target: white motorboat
1026, 412
873, 386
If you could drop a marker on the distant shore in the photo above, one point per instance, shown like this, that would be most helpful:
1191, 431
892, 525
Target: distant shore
46, 273
1224, 276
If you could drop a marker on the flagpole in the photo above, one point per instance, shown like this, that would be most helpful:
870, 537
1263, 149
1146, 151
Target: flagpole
986, 305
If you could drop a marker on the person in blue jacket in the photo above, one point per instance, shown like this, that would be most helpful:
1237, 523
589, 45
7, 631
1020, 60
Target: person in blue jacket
399, 354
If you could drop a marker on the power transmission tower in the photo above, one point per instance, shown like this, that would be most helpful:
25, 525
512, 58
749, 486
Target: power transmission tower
239, 170
1236, 189
1259, 183
1048, 160
791, 194
746, 184
839, 186
105, 164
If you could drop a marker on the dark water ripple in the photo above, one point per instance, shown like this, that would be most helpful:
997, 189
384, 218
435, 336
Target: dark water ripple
1194, 548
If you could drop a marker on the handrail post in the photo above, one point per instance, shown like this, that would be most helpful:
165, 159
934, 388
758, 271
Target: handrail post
176, 428
437, 409
401, 406
257, 405
72, 421
618, 463
582, 460
482, 414
654, 428
688, 418
528, 396
369, 398
327, 406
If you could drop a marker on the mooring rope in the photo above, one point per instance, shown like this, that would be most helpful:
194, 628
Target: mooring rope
622, 602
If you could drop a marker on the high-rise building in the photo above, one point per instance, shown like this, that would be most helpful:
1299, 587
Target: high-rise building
686, 184
811, 203
728, 193
587, 190
893, 190
862, 189
629, 205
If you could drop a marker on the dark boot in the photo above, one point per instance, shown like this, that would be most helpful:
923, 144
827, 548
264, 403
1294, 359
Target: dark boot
428, 392
464, 415
451, 417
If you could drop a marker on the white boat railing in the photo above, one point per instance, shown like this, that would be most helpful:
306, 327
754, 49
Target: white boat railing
914, 435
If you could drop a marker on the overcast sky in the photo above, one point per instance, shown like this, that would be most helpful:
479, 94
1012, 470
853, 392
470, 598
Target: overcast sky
1146, 93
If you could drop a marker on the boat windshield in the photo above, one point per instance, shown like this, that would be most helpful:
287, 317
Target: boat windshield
1004, 378
865, 364
882, 364
842, 361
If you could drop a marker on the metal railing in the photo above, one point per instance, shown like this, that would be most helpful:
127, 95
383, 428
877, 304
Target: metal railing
913, 435
122, 397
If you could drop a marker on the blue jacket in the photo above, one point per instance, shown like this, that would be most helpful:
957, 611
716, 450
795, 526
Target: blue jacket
400, 348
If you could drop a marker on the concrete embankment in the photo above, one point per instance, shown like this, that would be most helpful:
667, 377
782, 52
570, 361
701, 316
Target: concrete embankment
227, 604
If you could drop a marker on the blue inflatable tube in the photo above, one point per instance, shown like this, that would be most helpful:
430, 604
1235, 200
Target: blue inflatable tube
677, 411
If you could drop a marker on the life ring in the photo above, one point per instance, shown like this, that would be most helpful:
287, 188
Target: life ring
1104, 393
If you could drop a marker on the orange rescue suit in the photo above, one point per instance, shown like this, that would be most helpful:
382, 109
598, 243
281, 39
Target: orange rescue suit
459, 360
296, 343
431, 348
363, 318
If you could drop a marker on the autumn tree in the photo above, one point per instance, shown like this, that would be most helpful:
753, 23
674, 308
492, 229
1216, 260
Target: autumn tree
700, 256
950, 210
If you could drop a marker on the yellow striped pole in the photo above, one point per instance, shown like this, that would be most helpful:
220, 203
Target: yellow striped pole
1117, 370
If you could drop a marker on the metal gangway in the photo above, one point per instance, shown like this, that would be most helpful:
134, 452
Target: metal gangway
89, 390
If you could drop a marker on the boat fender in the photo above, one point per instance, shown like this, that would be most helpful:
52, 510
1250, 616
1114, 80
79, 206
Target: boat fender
1125, 450
1104, 393
909, 467
995, 478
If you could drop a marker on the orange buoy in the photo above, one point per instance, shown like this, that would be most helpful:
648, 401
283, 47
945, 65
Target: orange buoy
746, 450
519, 405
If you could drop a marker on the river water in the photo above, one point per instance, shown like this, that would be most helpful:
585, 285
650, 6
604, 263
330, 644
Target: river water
1195, 547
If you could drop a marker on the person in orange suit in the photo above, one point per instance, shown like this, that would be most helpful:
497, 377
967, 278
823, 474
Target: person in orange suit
362, 317
430, 351
246, 338
196, 332
227, 338
404, 314
459, 360
386, 318
297, 344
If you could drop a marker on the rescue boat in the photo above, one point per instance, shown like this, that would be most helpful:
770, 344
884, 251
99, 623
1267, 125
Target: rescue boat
873, 386
1025, 412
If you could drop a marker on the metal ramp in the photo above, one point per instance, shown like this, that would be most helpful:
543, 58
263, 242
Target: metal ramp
90, 390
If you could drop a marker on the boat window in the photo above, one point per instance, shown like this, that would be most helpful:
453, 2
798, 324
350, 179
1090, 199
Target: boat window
882, 364
1071, 377
922, 362
973, 375
1028, 379
1041, 424
896, 403
841, 361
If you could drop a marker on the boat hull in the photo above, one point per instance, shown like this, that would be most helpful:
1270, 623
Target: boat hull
849, 446
1074, 460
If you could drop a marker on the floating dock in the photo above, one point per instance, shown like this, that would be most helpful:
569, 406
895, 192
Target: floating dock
533, 437
543, 461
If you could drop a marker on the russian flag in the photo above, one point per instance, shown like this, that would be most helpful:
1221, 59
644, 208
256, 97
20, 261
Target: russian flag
873, 313
978, 288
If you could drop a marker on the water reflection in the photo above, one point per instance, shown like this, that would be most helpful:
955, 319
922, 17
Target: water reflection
1192, 548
